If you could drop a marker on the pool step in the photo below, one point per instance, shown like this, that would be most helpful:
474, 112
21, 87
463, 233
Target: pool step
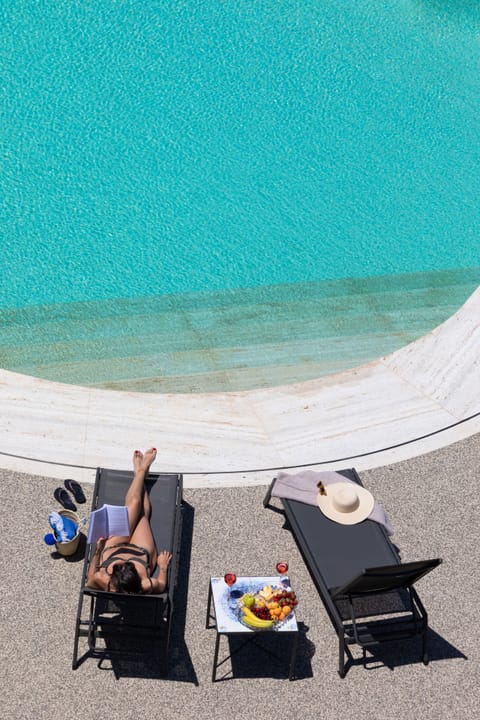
230, 340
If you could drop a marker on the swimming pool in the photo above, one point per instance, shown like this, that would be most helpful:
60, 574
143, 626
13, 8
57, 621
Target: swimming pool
174, 154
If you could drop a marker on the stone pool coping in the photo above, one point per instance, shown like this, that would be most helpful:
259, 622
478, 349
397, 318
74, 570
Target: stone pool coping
418, 399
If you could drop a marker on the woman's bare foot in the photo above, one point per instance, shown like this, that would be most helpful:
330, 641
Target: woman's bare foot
137, 460
142, 461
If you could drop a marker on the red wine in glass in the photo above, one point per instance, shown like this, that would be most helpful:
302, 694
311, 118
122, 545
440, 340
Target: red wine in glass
282, 568
230, 579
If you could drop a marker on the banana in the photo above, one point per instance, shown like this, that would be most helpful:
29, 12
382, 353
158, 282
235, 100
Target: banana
249, 618
256, 623
248, 613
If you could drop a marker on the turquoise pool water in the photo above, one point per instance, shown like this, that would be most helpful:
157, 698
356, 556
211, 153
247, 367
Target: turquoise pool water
170, 148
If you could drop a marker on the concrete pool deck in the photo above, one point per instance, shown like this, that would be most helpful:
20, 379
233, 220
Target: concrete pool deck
418, 399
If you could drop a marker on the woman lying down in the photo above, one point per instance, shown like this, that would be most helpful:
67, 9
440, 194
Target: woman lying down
126, 563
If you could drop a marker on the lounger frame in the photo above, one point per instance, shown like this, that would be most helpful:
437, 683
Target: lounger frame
110, 622
366, 604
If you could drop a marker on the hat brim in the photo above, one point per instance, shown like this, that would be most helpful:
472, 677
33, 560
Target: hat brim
365, 507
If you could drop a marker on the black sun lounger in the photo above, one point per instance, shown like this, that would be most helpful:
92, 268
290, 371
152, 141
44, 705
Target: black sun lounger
117, 624
366, 589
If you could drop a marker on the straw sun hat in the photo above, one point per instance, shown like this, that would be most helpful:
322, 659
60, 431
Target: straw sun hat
345, 502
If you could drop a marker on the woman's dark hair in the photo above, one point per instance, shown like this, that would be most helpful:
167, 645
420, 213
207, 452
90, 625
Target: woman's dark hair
126, 579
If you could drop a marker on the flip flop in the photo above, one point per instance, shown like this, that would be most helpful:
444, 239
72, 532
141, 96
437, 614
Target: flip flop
76, 490
64, 499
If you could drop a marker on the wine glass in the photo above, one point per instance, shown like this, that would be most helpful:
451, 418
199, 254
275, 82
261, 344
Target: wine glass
230, 579
282, 569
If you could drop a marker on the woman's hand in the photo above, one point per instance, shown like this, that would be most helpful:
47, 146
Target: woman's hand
94, 566
163, 560
100, 544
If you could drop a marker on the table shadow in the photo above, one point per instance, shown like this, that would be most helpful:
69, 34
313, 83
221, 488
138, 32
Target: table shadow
264, 655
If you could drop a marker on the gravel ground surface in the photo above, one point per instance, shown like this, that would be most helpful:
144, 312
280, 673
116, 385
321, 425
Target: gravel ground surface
434, 505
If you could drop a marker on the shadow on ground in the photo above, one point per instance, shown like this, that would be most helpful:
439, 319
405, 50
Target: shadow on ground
393, 655
79, 554
264, 655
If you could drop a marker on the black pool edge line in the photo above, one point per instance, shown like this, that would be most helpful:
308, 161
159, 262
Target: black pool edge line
268, 469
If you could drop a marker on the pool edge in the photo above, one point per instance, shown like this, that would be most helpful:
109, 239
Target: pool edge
417, 399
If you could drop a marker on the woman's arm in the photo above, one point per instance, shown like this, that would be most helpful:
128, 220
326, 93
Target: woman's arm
159, 584
94, 566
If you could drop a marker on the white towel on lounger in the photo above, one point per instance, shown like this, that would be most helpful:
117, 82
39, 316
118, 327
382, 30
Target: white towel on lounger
302, 486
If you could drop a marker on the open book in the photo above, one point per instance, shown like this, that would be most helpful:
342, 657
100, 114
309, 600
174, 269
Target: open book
108, 520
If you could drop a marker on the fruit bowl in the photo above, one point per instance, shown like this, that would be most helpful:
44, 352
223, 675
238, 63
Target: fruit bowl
266, 609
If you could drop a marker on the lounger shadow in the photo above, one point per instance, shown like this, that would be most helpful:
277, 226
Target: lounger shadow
115, 625
367, 591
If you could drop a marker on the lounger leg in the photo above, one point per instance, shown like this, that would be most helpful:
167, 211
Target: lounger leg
77, 631
209, 606
291, 673
341, 658
75, 647
215, 657
267, 498
425, 646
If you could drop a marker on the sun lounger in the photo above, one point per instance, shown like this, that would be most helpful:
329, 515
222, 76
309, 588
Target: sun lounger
366, 589
116, 624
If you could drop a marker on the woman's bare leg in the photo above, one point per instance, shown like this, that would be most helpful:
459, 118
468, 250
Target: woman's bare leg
141, 533
143, 536
135, 497
147, 505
